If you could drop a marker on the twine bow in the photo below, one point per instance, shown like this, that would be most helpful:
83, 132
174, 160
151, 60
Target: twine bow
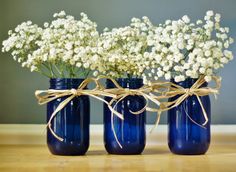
172, 90
116, 94
121, 93
154, 93
45, 96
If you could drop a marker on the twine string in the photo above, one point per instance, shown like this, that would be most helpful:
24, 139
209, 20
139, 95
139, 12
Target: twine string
155, 92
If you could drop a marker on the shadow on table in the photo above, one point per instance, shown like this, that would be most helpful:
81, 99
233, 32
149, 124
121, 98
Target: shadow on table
147, 151
153, 151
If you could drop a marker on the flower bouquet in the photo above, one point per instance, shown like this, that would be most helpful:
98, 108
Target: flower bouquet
189, 54
133, 59
63, 51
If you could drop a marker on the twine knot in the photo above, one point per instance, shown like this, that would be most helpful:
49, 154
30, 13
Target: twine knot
165, 89
130, 92
74, 91
189, 91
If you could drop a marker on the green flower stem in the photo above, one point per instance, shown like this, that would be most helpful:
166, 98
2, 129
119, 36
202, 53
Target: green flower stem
51, 70
81, 73
129, 76
73, 72
44, 74
46, 66
60, 73
62, 70
87, 73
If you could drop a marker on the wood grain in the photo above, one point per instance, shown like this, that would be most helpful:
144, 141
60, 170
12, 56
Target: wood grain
22, 149
23, 158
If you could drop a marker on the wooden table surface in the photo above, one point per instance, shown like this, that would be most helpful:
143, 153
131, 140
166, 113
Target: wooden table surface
154, 158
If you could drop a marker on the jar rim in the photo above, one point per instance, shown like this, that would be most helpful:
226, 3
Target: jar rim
65, 82
188, 82
129, 79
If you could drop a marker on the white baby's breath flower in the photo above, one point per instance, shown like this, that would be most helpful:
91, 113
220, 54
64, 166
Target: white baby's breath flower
207, 53
217, 17
177, 49
194, 49
167, 76
46, 24
33, 68
65, 42
199, 22
186, 19
210, 13
95, 73
123, 50
208, 78
61, 14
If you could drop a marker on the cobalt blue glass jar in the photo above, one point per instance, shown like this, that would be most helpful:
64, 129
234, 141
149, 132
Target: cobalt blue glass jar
131, 131
71, 123
184, 136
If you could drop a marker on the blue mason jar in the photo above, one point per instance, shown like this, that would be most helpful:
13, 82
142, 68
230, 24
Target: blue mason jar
71, 123
131, 131
184, 136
